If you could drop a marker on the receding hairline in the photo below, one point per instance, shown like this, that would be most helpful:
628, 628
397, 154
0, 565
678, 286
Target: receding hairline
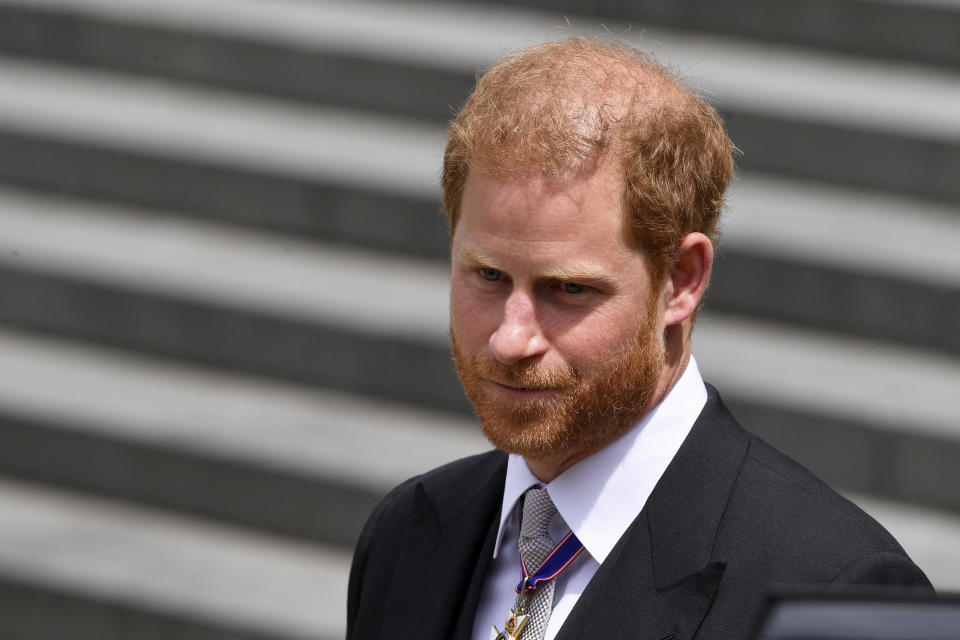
560, 108
597, 92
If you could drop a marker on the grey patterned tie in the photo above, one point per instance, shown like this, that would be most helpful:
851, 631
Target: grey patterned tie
535, 545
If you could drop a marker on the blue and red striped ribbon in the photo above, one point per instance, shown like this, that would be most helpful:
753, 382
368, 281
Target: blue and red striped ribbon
553, 565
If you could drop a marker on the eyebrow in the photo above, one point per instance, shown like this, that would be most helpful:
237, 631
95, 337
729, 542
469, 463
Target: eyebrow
577, 272
580, 273
472, 255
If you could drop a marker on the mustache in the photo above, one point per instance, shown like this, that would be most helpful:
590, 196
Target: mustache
526, 376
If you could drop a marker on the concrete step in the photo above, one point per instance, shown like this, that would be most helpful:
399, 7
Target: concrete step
208, 294
73, 566
301, 461
925, 31
863, 415
276, 165
892, 127
291, 48
870, 265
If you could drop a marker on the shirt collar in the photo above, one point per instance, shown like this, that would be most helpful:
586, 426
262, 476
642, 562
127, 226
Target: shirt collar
601, 495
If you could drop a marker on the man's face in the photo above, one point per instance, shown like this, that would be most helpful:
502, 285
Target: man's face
555, 323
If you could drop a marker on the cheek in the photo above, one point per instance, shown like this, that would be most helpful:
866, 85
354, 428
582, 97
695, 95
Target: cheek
472, 320
592, 340
585, 350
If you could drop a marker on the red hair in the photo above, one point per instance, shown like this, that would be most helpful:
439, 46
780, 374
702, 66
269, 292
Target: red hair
561, 108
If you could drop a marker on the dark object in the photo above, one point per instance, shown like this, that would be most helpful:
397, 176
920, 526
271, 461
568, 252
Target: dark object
860, 616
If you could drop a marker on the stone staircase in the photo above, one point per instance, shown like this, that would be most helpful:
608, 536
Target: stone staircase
223, 291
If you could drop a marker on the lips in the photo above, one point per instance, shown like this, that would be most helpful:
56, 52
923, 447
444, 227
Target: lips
510, 386
523, 391
517, 388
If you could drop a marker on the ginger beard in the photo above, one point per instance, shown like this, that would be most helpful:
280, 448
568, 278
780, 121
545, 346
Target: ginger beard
589, 409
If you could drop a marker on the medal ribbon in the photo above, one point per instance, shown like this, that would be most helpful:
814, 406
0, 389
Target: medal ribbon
553, 565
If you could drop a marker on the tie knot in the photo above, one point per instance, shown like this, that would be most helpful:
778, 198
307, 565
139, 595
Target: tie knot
538, 511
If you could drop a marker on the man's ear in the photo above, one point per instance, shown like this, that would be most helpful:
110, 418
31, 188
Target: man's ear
687, 278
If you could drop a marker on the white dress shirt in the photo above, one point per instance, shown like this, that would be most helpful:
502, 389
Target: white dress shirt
598, 498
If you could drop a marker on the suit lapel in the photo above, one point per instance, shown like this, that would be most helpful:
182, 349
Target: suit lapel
660, 579
446, 553
468, 609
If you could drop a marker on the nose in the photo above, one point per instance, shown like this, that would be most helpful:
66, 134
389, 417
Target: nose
519, 335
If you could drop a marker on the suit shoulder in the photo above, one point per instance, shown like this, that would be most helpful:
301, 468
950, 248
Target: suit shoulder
454, 476
779, 488
421, 503
442, 484
785, 528
482, 463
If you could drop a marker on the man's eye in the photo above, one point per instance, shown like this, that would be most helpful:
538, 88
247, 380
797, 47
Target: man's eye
490, 274
572, 287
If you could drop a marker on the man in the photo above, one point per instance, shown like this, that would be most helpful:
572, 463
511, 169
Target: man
584, 186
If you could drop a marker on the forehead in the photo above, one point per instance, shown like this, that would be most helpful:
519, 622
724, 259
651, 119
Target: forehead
541, 205
545, 221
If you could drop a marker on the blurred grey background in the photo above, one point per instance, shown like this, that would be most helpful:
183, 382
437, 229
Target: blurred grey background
223, 282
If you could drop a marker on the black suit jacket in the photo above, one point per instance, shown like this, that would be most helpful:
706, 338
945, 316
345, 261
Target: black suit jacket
730, 518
